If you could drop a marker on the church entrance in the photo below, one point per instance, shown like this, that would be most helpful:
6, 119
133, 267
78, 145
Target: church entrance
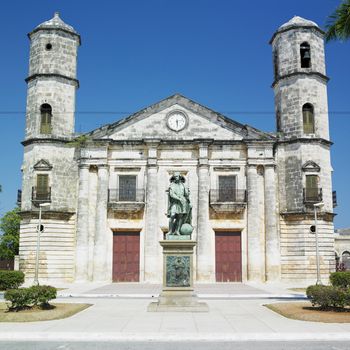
126, 256
228, 256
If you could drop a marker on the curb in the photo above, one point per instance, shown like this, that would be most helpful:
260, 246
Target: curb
197, 337
201, 296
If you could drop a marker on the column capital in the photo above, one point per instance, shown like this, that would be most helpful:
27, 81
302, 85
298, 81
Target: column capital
83, 166
151, 162
270, 165
102, 166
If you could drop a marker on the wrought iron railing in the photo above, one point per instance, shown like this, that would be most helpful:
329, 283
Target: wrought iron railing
126, 195
41, 196
227, 195
312, 195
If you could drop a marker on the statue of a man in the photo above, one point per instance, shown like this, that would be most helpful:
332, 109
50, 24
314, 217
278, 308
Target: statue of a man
180, 208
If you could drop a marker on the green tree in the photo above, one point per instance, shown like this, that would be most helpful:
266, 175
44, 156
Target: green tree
338, 25
9, 240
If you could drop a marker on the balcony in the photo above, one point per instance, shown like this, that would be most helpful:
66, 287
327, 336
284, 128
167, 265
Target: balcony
126, 200
40, 196
228, 200
312, 195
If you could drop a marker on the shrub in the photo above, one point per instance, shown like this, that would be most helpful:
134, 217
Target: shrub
11, 279
340, 279
28, 297
43, 294
327, 296
19, 298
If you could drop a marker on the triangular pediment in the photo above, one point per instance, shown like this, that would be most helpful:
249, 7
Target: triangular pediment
200, 123
311, 166
42, 165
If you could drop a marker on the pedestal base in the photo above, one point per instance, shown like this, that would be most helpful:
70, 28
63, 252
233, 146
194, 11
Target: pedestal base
178, 301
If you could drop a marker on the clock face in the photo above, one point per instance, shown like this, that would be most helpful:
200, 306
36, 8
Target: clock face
177, 121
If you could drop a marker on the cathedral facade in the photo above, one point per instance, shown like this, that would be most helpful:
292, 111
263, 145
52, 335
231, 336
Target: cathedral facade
103, 195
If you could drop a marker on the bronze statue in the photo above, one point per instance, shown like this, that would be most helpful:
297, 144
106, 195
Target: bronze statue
180, 208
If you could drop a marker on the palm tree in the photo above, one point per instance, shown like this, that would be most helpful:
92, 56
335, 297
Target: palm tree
338, 26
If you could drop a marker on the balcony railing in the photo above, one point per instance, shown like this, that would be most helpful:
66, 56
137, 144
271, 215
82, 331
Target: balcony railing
126, 195
228, 195
41, 196
312, 195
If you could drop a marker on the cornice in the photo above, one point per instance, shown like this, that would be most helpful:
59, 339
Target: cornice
294, 74
52, 75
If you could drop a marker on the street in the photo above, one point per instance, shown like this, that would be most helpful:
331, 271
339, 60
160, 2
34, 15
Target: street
150, 345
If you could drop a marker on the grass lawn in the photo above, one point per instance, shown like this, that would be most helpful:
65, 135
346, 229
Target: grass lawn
59, 310
299, 290
304, 311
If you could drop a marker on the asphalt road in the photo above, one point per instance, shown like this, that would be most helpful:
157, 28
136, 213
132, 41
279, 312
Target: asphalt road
150, 345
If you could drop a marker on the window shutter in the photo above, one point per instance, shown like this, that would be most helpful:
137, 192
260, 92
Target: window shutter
312, 187
42, 184
227, 188
127, 188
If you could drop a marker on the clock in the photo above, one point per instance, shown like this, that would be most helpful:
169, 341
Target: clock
177, 120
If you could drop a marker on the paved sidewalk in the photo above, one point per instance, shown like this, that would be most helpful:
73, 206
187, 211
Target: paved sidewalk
207, 291
128, 319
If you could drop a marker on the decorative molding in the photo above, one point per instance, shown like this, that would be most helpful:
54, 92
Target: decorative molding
43, 165
292, 27
290, 75
307, 215
46, 214
311, 166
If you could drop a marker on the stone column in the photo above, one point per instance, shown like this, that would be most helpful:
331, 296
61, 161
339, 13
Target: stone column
100, 272
82, 239
272, 247
152, 261
253, 238
205, 258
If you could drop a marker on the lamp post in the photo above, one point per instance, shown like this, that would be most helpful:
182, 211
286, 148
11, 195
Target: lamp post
38, 230
317, 205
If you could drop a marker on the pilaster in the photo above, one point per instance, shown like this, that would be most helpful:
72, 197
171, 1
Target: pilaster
205, 259
152, 262
81, 265
254, 249
100, 271
272, 247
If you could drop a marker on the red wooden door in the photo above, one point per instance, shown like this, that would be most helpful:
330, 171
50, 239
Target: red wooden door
228, 255
126, 256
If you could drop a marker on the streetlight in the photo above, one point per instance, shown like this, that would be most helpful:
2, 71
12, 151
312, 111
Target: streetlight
38, 230
317, 205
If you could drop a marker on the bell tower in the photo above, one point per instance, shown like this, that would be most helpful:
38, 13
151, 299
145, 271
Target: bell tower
303, 147
52, 80
49, 170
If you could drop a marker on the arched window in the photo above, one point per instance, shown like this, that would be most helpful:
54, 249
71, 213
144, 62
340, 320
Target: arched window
46, 116
305, 55
308, 119
345, 259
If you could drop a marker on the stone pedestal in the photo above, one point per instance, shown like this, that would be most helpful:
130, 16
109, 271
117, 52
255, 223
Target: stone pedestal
178, 292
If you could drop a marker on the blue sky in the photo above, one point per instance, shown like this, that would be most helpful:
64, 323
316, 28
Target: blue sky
136, 52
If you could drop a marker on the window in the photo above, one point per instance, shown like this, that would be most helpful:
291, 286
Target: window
311, 190
45, 121
305, 57
275, 63
227, 188
345, 259
42, 187
308, 119
127, 188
